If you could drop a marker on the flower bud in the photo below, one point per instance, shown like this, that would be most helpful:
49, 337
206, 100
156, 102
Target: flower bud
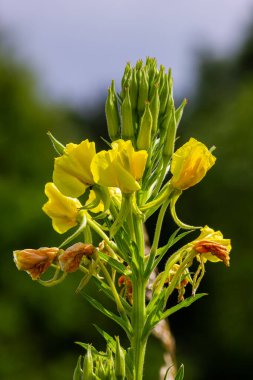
144, 135
133, 90
171, 133
72, 257
179, 111
143, 90
35, 261
120, 366
125, 79
154, 109
78, 370
164, 126
88, 365
164, 94
126, 117
112, 114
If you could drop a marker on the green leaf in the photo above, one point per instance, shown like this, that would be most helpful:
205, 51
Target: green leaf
187, 302
161, 252
93, 350
58, 146
155, 308
97, 305
108, 338
180, 373
101, 285
119, 267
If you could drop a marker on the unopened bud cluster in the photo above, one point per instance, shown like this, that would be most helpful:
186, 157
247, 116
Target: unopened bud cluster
109, 365
144, 110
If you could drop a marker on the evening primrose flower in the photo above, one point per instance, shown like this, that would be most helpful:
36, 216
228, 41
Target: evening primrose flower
190, 164
120, 167
211, 246
35, 261
72, 174
62, 210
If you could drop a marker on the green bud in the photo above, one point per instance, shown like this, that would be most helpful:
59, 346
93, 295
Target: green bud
170, 83
110, 371
164, 94
125, 81
120, 366
139, 65
143, 90
171, 135
126, 118
179, 111
112, 113
144, 135
167, 115
100, 369
59, 147
155, 108
133, 90
161, 78
78, 370
88, 366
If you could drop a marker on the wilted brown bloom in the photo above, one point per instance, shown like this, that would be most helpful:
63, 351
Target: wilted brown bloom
126, 283
216, 249
72, 257
35, 261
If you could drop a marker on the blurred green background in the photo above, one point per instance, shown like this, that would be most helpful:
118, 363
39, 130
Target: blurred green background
38, 326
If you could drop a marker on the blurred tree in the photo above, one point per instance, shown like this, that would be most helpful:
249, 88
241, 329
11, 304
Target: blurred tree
30, 335
216, 342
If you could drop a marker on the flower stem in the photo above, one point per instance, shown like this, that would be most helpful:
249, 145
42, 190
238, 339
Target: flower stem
138, 343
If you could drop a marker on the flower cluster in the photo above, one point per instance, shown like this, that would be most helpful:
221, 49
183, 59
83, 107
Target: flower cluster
108, 195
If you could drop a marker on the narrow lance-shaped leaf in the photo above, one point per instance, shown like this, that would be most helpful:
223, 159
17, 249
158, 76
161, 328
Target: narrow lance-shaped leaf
107, 312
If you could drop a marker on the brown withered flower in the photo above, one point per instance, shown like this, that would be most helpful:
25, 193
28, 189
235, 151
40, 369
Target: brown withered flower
127, 287
71, 258
216, 249
35, 261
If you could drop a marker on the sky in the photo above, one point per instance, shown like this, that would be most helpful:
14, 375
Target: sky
77, 46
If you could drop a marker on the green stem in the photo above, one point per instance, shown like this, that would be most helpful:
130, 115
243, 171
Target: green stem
95, 226
158, 229
138, 343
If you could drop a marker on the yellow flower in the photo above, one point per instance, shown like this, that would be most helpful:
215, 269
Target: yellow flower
211, 246
190, 164
120, 167
35, 261
61, 209
92, 197
72, 174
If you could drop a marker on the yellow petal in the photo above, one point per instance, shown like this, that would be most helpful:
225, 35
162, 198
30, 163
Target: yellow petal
72, 174
190, 164
120, 167
61, 209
